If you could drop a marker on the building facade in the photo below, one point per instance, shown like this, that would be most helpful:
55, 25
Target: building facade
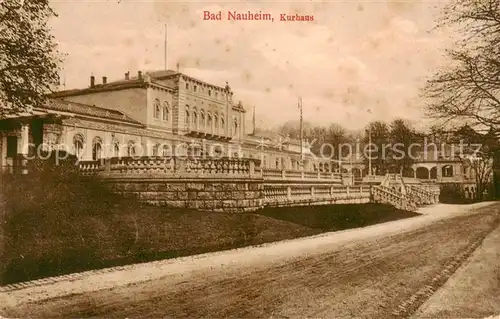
159, 113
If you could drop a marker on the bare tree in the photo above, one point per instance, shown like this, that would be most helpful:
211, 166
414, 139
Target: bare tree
28, 55
478, 153
481, 165
468, 90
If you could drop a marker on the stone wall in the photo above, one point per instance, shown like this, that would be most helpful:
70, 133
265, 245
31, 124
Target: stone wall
206, 195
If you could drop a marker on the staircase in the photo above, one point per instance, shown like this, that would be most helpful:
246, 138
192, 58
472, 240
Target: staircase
387, 195
393, 190
422, 196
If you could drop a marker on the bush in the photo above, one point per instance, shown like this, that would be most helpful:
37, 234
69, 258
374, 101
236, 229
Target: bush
53, 218
453, 193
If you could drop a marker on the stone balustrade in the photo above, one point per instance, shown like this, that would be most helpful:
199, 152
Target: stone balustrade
270, 174
280, 195
180, 167
90, 167
422, 196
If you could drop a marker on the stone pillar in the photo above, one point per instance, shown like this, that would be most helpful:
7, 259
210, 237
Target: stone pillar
107, 165
24, 148
457, 171
24, 140
251, 168
87, 147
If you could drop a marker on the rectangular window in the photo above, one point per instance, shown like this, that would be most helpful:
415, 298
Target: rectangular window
11, 146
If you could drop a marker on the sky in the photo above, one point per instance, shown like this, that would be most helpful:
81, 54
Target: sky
358, 61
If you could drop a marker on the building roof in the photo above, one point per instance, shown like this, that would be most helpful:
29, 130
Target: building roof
88, 110
133, 82
112, 86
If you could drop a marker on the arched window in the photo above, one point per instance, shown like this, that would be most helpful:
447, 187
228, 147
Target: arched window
96, 149
422, 173
157, 109
78, 142
202, 120
222, 126
166, 111
447, 171
187, 118
216, 124
166, 151
116, 149
235, 127
209, 122
155, 149
195, 120
131, 149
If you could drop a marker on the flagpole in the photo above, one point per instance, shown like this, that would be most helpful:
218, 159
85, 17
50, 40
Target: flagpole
253, 120
165, 48
370, 148
301, 133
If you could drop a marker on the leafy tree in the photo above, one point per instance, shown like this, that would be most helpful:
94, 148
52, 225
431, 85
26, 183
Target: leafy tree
468, 89
378, 134
334, 135
402, 135
28, 55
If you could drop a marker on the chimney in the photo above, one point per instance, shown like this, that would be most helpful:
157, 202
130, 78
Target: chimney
127, 76
104, 80
92, 81
139, 75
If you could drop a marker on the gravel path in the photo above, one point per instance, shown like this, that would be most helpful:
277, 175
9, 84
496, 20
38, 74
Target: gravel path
474, 290
366, 272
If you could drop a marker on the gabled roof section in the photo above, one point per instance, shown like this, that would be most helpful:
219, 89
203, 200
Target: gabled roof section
89, 110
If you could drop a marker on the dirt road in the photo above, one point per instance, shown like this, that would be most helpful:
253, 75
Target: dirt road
374, 272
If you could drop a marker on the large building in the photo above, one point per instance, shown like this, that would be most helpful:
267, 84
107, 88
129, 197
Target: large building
150, 114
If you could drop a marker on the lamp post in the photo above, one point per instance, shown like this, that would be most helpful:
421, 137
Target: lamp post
370, 148
301, 133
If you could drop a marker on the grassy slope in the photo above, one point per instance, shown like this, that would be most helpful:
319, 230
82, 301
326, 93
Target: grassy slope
338, 217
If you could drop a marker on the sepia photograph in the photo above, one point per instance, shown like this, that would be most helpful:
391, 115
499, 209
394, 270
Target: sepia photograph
250, 159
